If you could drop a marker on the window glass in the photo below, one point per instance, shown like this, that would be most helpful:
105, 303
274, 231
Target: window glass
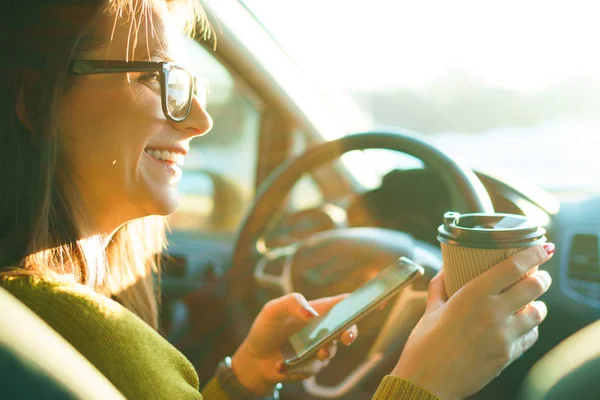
507, 101
306, 193
219, 172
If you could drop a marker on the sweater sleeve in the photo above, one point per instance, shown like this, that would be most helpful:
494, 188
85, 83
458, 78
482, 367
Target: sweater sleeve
213, 391
394, 388
139, 362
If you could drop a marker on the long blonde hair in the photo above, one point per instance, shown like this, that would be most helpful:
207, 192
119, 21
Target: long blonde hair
42, 217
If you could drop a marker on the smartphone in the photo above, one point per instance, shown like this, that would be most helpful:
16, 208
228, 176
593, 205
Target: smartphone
325, 328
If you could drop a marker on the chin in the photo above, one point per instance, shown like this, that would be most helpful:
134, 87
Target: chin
168, 208
164, 204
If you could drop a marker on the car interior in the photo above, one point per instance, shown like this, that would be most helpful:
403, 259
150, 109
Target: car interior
274, 201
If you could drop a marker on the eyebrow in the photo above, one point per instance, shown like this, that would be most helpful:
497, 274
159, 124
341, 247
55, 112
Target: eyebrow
159, 54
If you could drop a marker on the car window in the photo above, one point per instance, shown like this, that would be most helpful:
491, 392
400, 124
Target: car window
219, 172
306, 193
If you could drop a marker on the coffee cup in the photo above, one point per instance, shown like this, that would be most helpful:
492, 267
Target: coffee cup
473, 243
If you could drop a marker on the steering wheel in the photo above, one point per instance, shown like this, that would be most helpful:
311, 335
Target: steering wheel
313, 266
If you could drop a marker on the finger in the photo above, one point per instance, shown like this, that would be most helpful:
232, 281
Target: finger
509, 271
327, 353
524, 343
529, 318
303, 370
325, 304
526, 291
436, 295
349, 336
293, 304
323, 354
286, 374
295, 377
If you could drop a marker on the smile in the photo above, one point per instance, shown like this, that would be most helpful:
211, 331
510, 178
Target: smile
166, 156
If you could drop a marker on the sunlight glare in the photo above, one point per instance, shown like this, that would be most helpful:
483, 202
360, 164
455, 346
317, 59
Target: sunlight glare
522, 45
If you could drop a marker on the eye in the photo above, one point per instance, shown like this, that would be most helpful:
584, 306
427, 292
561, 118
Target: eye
150, 76
150, 79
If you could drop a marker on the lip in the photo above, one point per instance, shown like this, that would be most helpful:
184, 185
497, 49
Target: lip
171, 168
174, 149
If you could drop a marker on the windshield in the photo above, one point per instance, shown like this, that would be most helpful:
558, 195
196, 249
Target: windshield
510, 88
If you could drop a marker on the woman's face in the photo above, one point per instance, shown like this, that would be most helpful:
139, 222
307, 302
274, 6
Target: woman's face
115, 130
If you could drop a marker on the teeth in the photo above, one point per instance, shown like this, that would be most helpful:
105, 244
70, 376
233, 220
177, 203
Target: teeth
166, 155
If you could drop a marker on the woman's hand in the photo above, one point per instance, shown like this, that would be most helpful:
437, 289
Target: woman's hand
461, 344
258, 363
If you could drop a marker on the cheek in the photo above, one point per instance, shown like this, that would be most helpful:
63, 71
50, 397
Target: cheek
105, 133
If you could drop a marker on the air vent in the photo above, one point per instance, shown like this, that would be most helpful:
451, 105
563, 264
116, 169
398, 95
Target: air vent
583, 260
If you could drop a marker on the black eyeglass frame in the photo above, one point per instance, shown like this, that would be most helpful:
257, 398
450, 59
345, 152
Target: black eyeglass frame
85, 67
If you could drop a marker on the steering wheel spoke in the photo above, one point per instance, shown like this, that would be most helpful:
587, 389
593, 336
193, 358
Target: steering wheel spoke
352, 380
274, 269
406, 312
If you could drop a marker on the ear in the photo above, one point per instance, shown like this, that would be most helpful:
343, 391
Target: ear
29, 78
22, 110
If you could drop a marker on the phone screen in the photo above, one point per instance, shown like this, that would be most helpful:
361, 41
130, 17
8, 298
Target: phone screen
356, 303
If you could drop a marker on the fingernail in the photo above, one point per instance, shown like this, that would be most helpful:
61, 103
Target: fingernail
351, 336
541, 306
327, 354
310, 312
549, 247
280, 366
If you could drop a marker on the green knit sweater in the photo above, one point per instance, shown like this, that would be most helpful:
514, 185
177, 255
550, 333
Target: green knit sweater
134, 357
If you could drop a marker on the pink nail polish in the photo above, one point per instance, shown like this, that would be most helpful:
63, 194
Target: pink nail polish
549, 247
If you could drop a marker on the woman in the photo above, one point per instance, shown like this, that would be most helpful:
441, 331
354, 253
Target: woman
93, 126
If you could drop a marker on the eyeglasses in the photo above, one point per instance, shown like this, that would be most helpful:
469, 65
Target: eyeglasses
176, 85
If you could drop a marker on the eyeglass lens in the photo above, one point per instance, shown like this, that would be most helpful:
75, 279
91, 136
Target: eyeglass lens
179, 87
179, 92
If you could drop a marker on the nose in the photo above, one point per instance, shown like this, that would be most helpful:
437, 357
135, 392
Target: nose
197, 123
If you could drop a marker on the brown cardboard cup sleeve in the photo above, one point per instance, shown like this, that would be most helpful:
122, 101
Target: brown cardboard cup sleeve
462, 264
